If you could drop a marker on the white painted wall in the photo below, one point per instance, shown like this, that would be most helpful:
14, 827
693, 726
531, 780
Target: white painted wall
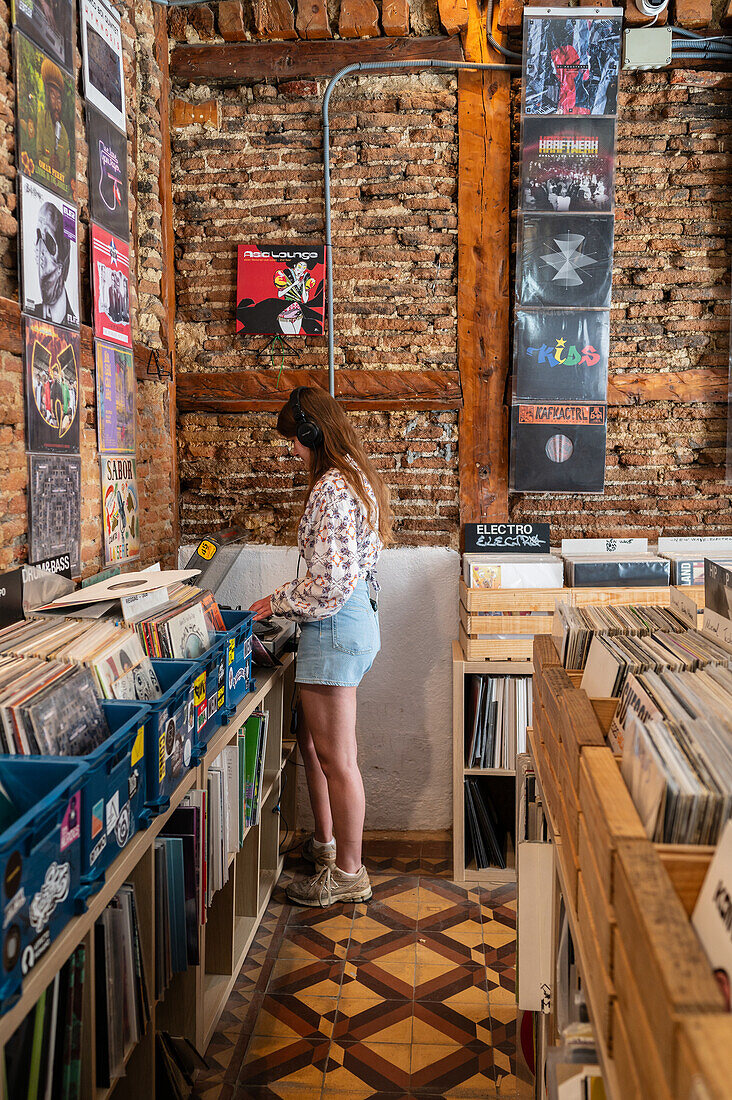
405, 701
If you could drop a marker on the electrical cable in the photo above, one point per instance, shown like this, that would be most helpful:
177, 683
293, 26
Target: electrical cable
511, 54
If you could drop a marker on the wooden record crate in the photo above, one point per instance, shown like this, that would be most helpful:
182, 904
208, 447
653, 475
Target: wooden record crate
704, 1057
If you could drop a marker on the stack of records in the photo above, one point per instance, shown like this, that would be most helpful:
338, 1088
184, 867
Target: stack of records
612, 660
499, 711
48, 708
171, 933
183, 627
575, 627
177, 1061
631, 570
686, 554
512, 571
483, 828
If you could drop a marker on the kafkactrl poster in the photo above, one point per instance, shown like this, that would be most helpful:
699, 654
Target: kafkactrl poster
558, 448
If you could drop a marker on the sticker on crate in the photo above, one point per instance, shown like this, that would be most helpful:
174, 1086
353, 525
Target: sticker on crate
71, 824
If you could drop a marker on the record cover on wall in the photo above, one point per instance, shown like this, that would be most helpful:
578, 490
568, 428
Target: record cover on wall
558, 448
280, 290
101, 38
110, 261
50, 24
115, 398
561, 356
46, 134
120, 508
49, 255
571, 65
54, 508
568, 165
52, 357
566, 261
108, 192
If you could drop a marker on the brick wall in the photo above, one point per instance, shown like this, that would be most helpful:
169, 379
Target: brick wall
155, 440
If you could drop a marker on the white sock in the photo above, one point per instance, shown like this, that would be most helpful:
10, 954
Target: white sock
348, 874
324, 843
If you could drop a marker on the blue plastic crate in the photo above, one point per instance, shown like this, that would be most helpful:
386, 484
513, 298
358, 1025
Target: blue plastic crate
239, 679
40, 861
170, 733
209, 691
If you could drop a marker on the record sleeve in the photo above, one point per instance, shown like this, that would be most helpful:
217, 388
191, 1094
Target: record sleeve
566, 261
558, 448
46, 134
115, 399
108, 188
49, 255
571, 65
120, 508
52, 357
50, 24
101, 38
568, 165
561, 356
110, 260
280, 290
54, 508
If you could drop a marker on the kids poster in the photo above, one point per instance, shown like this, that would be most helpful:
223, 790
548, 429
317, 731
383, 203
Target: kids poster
120, 508
281, 290
110, 259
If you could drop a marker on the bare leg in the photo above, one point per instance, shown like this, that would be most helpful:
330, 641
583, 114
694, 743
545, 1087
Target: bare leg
330, 716
317, 784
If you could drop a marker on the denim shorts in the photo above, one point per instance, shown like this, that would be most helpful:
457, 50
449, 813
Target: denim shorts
340, 650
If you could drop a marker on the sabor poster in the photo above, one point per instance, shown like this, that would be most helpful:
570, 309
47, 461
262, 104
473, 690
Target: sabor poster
115, 398
110, 260
49, 255
46, 135
280, 290
120, 508
52, 357
101, 39
571, 65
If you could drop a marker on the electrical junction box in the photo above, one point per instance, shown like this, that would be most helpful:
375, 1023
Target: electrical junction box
647, 48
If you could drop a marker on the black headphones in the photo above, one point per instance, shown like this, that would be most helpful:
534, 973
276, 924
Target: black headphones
309, 433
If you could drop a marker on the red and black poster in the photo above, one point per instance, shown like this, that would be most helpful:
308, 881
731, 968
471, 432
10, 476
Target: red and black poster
280, 290
111, 283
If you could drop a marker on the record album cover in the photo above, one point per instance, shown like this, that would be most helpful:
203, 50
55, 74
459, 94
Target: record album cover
54, 508
566, 261
46, 136
108, 191
558, 448
110, 260
52, 357
101, 38
120, 508
571, 65
49, 255
568, 164
561, 356
280, 290
115, 398
50, 24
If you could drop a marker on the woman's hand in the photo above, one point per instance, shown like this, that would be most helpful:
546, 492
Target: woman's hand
262, 609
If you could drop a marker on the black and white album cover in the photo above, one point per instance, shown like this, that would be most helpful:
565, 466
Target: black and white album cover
49, 255
558, 448
571, 65
101, 37
50, 24
561, 356
568, 165
108, 194
566, 261
54, 508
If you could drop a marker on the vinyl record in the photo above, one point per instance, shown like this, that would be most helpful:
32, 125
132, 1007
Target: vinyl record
566, 261
125, 584
558, 448
49, 255
561, 356
568, 165
108, 190
54, 508
52, 357
571, 65
46, 133
110, 263
50, 24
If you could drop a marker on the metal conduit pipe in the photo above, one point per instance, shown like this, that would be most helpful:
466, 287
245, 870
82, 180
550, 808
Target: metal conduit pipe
363, 66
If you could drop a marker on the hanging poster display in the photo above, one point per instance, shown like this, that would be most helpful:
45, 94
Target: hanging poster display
101, 38
46, 100
50, 24
108, 192
115, 399
120, 508
49, 255
566, 261
561, 356
54, 508
52, 357
558, 448
280, 290
110, 259
571, 64
568, 165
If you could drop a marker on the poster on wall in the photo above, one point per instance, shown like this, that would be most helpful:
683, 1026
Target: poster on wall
54, 508
558, 448
280, 290
110, 261
120, 508
571, 65
568, 165
561, 356
52, 357
566, 261
108, 193
115, 399
49, 255
46, 136
50, 23
101, 38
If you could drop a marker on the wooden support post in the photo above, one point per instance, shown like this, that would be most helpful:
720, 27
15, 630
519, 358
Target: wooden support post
483, 277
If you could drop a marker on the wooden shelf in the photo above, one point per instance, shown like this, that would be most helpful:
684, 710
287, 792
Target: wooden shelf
490, 771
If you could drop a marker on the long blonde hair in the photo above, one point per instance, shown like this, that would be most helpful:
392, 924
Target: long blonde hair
341, 450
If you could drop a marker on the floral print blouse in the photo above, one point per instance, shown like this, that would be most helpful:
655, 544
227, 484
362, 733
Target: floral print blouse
339, 548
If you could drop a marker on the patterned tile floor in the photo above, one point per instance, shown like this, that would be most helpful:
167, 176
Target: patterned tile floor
410, 996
